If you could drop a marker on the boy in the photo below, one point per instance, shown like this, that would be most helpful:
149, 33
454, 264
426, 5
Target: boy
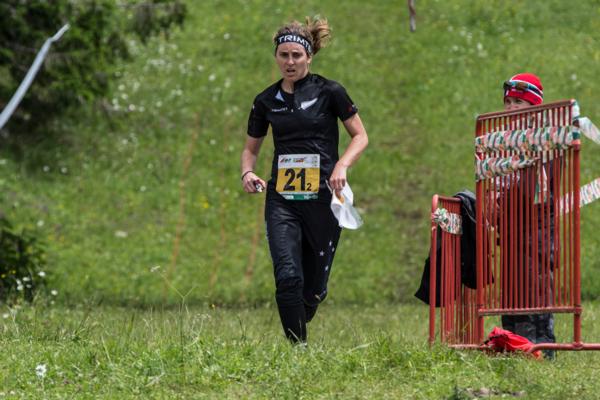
521, 91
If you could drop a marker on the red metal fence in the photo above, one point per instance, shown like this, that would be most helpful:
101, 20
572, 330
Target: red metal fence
456, 302
528, 242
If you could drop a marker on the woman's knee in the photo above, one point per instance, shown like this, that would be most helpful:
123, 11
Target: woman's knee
289, 291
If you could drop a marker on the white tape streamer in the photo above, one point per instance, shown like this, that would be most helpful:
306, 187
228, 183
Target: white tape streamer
18, 96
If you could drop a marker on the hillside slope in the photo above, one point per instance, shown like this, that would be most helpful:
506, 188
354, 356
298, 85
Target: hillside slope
107, 195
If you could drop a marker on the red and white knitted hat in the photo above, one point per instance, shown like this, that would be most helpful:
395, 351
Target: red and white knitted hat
525, 86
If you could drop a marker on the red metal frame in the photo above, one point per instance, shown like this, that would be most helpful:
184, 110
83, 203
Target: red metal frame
528, 252
456, 310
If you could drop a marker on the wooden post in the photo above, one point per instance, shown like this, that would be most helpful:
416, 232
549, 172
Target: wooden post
413, 15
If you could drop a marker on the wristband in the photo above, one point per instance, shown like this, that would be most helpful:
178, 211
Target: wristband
245, 173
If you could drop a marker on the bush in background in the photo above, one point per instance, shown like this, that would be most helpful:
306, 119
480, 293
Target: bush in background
78, 67
22, 263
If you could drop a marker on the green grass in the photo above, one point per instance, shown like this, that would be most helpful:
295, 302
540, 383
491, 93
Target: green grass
354, 352
104, 192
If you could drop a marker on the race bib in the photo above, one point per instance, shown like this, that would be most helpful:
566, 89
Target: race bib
298, 176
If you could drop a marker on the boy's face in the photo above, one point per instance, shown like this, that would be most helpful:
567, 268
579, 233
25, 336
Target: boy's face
514, 103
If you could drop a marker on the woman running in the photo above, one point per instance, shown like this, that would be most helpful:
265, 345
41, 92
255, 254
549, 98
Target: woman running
302, 109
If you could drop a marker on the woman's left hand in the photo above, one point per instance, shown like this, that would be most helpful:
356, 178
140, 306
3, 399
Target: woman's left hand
337, 180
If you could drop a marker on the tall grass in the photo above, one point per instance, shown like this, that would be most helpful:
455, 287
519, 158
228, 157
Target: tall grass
354, 352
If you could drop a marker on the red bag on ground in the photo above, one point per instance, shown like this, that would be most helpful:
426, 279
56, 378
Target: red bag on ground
502, 340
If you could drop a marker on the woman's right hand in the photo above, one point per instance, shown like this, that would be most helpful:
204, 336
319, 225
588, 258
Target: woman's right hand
253, 184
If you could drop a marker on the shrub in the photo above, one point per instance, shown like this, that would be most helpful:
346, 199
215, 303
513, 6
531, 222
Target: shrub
78, 67
22, 263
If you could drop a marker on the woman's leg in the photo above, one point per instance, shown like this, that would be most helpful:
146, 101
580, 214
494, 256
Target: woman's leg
320, 236
284, 235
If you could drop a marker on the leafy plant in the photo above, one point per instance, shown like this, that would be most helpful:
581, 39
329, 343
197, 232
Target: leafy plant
157, 16
78, 68
22, 263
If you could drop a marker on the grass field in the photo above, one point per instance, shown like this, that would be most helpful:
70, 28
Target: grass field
138, 201
355, 352
104, 192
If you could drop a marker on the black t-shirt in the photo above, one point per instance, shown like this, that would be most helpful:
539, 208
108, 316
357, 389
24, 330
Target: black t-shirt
304, 124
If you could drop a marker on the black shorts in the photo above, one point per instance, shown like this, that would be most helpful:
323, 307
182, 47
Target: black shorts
303, 237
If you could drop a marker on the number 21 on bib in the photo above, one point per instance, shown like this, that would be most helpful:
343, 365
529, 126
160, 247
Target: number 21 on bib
298, 176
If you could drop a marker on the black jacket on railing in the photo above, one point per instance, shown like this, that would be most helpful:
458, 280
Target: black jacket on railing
468, 253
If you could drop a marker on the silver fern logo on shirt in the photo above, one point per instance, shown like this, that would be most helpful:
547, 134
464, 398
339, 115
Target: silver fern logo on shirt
305, 104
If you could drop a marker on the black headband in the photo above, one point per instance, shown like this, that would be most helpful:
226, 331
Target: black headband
289, 38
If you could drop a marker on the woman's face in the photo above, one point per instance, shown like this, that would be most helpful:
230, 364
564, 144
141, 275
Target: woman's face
292, 60
514, 103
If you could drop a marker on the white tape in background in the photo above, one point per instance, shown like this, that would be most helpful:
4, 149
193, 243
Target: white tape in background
590, 130
18, 96
586, 126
